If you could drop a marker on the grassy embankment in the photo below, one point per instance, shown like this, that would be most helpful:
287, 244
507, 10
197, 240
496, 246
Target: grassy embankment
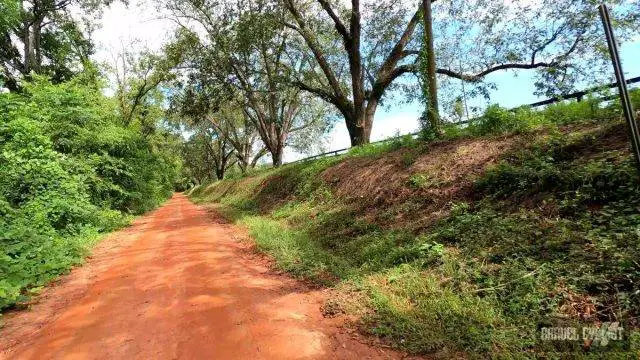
466, 245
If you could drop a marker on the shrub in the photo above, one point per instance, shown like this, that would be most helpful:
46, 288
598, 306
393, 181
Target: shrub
579, 111
498, 120
69, 169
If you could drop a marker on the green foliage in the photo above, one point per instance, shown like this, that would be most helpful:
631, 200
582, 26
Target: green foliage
376, 149
547, 238
572, 112
68, 171
549, 167
293, 251
423, 181
418, 181
60, 45
413, 308
10, 10
498, 120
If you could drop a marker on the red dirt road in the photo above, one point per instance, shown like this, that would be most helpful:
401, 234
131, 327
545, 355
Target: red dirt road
178, 285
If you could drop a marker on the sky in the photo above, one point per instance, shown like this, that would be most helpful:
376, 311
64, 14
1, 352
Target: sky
121, 25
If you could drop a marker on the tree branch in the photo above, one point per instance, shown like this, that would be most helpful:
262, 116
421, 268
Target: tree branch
381, 85
342, 30
322, 93
317, 52
398, 52
477, 77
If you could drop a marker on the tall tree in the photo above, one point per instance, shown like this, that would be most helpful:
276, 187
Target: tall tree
207, 155
260, 70
200, 98
233, 123
368, 78
429, 79
247, 49
379, 44
195, 105
46, 39
140, 75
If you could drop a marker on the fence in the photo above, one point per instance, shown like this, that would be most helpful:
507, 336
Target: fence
579, 95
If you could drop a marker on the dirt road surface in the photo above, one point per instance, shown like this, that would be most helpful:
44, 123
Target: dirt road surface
178, 285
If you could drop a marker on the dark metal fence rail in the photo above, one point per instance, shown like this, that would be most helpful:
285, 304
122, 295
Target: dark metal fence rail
579, 95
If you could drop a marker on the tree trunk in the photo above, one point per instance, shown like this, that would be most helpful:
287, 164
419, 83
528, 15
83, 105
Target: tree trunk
32, 42
257, 157
360, 130
28, 49
243, 165
276, 156
220, 173
37, 44
220, 165
433, 114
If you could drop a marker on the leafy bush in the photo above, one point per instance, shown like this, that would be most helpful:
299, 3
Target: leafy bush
375, 149
68, 171
579, 111
498, 120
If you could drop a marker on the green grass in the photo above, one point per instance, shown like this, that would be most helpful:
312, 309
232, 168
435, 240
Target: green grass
419, 311
485, 277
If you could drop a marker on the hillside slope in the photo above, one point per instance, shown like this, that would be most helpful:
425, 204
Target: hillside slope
464, 246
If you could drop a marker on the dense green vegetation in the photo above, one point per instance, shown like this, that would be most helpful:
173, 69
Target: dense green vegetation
464, 241
469, 263
70, 169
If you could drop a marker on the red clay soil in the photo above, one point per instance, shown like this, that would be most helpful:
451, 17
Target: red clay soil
179, 285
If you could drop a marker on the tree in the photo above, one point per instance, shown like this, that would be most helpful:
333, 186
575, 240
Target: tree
140, 75
379, 45
195, 106
207, 154
233, 123
200, 99
369, 77
247, 49
10, 10
221, 153
42, 36
560, 40
430, 84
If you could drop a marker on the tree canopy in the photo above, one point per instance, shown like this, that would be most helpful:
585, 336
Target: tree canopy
45, 37
245, 55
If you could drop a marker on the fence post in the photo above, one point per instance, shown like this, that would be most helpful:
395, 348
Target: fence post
627, 108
